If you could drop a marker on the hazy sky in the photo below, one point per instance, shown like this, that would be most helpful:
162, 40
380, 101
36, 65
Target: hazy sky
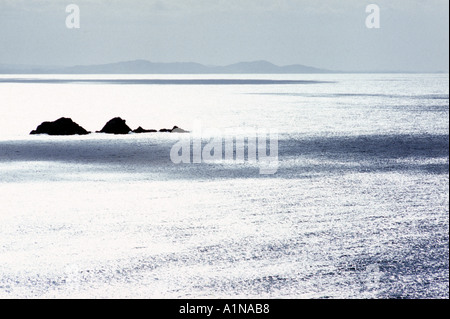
328, 34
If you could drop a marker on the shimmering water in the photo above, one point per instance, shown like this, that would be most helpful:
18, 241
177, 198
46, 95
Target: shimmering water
357, 209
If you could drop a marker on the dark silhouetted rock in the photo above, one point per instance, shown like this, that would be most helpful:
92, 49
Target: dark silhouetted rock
116, 126
62, 126
141, 130
176, 129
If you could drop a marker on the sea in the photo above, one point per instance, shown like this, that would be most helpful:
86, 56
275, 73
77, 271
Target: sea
357, 208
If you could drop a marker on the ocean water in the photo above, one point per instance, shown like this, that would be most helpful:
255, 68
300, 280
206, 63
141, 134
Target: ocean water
358, 207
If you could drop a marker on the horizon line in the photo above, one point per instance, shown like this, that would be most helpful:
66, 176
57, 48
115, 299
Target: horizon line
53, 68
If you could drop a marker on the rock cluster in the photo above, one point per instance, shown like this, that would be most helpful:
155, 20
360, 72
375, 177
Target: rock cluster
65, 126
62, 126
115, 126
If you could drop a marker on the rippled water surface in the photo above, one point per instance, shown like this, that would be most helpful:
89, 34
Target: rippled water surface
358, 207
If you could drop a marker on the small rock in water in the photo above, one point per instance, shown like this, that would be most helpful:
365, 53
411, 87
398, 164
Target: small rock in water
141, 130
116, 126
176, 129
62, 126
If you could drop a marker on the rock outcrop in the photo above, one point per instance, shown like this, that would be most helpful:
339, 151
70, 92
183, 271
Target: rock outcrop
176, 129
65, 126
62, 126
141, 130
116, 126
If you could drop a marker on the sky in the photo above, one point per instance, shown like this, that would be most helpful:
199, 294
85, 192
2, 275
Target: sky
329, 34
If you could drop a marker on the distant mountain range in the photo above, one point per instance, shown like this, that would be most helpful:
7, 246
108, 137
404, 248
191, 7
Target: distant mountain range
147, 67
